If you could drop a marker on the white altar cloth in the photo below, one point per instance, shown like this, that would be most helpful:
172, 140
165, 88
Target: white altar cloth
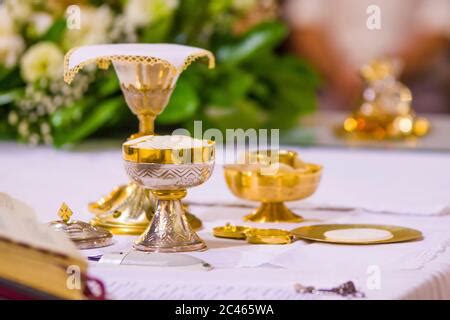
407, 188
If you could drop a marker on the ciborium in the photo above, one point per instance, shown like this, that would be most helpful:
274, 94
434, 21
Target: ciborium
270, 182
147, 75
167, 166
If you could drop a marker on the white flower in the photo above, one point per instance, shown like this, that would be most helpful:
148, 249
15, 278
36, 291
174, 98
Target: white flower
11, 47
95, 24
33, 139
45, 128
122, 30
43, 60
41, 21
13, 118
6, 21
19, 10
143, 12
23, 128
11, 44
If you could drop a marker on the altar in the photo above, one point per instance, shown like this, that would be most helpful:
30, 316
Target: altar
405, 188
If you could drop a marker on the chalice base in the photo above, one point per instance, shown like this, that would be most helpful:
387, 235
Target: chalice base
127, 210
169, 231
273, 212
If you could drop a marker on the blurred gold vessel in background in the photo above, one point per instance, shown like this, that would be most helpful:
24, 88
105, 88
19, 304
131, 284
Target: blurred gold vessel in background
386, 108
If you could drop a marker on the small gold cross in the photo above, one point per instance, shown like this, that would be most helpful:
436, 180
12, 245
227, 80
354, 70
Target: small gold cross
65, 212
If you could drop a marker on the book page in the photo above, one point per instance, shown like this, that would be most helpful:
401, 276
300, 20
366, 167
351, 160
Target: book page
18, 224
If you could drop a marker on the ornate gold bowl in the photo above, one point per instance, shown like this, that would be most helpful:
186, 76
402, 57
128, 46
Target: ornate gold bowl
166, 174
246, 181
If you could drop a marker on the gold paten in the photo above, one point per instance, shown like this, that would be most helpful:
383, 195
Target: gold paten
316, 233
254, 235
81, 233
231, 232
385, 111
129, 208
312, 233
273, 189
269, 236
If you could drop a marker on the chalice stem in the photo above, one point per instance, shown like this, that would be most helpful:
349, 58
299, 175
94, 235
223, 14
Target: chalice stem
273, 212
169, 230
146, 124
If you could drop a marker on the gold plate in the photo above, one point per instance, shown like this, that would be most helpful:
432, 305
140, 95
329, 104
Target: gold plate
317, 233
231, 232
269, 236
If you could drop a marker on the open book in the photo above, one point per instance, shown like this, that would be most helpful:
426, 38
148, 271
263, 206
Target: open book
36, 262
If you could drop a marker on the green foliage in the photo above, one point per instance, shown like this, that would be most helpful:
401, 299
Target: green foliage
55, 32
93, 117
255, 43
10, 79
252, 86
183, 104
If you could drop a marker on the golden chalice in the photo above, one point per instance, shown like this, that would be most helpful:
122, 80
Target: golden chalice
287, 179
167, 166
147, 75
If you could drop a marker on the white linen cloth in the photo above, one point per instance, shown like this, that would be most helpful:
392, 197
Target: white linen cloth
410, 270
402, 182
175, 54
399, 182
